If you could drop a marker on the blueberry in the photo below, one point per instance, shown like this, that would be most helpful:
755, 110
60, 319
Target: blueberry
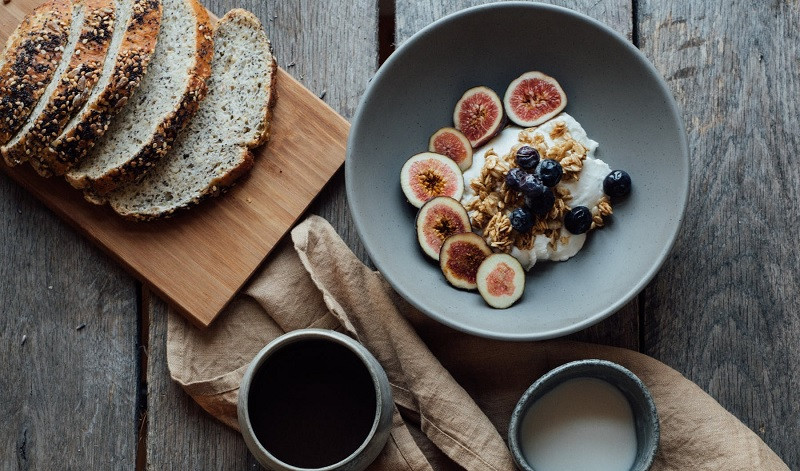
578, 220
540, 203
531, 185
514, 178
549, 172
521, 219
617, 184
527, 157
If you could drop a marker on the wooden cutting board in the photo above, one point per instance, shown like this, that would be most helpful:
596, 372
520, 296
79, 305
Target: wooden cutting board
199, 260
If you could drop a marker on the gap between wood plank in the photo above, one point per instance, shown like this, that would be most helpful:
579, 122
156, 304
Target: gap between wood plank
143, 331
386, 29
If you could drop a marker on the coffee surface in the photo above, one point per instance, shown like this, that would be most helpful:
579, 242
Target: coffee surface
312, 403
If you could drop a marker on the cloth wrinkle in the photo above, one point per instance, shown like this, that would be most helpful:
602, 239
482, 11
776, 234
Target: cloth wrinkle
453, 392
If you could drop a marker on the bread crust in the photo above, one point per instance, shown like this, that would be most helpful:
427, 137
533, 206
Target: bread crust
31, 57
161, 141
132, 60
74, 87
246, 159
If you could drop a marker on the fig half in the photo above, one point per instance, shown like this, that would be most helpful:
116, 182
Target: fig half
428, 175
460, 257
439, 219
501, 280
454, 144
533, 98
479, 115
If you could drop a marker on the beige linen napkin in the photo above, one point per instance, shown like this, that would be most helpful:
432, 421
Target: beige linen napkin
454, 392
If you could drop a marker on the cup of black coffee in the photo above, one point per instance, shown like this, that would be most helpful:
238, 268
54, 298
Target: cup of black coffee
315, 399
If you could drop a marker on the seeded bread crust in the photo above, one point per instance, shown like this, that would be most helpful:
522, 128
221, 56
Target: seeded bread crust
74, 87
31, 56
131, 61
158, 144
234, 119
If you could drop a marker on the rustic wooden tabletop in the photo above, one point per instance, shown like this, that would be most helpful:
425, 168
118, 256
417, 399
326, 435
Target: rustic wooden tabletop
83, 375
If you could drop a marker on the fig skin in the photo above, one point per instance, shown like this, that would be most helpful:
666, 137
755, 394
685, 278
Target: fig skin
479, 115
500, 280
454, 144
437, 220
427, 175
524, 97
460, 257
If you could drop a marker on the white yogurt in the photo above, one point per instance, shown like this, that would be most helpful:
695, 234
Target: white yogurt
583, 423
587, 190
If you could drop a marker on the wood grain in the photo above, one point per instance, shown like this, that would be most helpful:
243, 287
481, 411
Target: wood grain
337, 55
621, 329
199, 259
723, 310
68, 345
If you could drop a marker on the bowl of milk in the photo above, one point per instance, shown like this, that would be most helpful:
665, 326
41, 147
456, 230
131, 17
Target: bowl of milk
592, 415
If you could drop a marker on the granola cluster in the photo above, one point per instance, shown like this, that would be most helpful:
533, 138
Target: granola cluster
494, 201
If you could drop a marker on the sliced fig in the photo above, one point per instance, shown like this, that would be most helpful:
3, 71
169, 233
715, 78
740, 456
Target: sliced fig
428, 175
501, 280
479, 115
439, 219
533, 98
454, 144
460, 257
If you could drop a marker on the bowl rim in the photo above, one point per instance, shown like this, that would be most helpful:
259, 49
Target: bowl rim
655, 266
585, 368
377, 375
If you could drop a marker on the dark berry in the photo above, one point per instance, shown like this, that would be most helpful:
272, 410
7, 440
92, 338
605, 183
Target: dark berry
531, 185
540, 203
521, 220
549, 172
617, 184
514, 178
527, 157
578, 220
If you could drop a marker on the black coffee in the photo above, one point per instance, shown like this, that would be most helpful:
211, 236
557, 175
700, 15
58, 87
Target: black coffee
312, 403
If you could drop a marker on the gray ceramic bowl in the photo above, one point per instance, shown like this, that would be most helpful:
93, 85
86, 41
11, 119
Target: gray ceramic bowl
381, 425
612, 90
644, 409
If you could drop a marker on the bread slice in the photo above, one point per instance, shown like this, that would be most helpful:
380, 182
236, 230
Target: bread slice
67, 94
29, 62
166, 99
214, 149
132, 44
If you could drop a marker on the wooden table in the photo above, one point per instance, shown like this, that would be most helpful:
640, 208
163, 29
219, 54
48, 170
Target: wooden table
83, 375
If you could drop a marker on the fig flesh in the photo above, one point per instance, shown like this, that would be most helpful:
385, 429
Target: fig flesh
437, 220
500, 280
427, 175
533, 98
460, 257
479, 115
454, 144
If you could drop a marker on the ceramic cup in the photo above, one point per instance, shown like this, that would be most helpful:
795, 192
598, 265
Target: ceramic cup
645, 416
298, 372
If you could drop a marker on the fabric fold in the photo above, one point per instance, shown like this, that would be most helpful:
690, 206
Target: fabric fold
453, 392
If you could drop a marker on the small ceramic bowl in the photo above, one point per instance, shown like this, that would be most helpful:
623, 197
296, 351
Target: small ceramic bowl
381, 424
645, 416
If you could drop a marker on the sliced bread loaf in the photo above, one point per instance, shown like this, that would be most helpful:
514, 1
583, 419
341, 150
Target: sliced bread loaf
167, 98
29, 62
214, 149
132, 44
67, 94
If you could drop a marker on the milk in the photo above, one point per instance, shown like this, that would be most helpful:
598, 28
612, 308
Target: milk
582, 424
